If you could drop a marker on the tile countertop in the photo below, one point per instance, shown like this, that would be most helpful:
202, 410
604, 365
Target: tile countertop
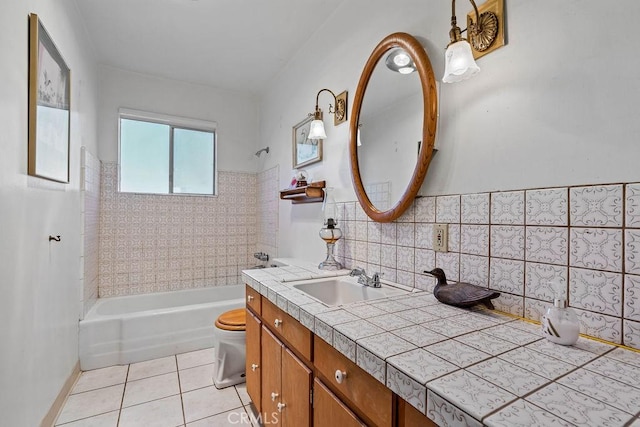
466, 367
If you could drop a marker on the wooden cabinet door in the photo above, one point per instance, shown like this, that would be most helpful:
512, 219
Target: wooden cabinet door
253, 366
296, 391
272, 350
329, 411
408, 416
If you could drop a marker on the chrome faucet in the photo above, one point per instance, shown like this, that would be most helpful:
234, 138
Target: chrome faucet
363, 279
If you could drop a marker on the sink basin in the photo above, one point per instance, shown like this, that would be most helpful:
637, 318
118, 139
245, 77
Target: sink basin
343, 290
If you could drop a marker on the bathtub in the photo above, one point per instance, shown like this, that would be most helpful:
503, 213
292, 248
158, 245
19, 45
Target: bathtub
122, 330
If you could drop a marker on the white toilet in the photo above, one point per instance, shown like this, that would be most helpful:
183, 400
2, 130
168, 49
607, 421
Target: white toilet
230, 348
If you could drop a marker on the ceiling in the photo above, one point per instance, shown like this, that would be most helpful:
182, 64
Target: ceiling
238, 45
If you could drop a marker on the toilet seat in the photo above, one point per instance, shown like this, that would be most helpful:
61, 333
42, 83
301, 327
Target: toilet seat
232, 320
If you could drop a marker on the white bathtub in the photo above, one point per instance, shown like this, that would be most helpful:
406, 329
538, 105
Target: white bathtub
122, 330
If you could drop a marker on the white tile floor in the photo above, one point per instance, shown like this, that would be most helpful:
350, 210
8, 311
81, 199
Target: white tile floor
171, 391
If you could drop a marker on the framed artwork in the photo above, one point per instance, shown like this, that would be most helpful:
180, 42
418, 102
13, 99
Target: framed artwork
305, 151
49, 106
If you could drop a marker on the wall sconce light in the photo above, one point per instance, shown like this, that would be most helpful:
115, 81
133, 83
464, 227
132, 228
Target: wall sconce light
316, 129
484, 35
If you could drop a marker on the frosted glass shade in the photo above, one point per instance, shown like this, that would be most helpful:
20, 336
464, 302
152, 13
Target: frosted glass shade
316, 130
459, 64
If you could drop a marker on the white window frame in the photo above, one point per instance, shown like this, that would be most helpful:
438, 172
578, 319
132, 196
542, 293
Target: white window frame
177, 122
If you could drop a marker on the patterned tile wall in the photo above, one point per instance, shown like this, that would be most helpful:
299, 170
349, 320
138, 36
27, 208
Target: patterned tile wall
154, 243
90, 194
580, 243
268, 200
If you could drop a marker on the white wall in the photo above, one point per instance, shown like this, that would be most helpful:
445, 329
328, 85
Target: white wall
235, 113
556, 106
39, 281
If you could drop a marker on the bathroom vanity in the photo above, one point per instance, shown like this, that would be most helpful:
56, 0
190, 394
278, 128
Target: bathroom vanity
295, 374
408, 360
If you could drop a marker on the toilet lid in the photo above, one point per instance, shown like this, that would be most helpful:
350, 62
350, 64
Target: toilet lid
232, 320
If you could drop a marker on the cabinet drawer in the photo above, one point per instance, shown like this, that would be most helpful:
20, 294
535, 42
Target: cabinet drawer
365, 392
297, 336
254, 300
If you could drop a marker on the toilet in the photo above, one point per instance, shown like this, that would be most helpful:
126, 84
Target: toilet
230, 348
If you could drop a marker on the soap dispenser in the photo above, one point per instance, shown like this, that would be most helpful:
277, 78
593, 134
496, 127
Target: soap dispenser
560, 324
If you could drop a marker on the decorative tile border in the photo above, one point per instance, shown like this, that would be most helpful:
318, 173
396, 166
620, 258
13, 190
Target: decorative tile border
444, 413
407, 388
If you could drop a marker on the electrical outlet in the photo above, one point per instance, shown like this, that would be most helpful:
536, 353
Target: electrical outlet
441, 237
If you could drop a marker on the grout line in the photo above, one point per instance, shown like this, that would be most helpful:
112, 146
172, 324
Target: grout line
184, 415
126, 380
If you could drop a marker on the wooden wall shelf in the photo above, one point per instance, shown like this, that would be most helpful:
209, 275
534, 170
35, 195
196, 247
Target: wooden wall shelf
312, 193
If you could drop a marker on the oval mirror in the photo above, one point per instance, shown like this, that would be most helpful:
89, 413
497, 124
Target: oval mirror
393, 127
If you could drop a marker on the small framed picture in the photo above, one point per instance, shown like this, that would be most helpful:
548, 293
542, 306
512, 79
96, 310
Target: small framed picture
49, 106
305, 151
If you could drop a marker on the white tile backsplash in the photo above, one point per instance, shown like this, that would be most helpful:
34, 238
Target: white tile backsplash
546, 245
547, 207
632, 205
596, 248
507, 208
151, 243
632, 251
522, 244
474, 239
597, 206
475, 208
474, 269
507, 275
507, 241
598, 291
448, 209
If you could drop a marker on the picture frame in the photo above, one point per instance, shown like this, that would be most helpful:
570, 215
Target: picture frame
305, 151
49, 107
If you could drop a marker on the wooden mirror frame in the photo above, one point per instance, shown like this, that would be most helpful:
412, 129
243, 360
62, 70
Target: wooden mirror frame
429, 123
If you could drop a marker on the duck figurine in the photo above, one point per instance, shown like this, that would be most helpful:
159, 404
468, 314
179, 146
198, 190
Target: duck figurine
461, 294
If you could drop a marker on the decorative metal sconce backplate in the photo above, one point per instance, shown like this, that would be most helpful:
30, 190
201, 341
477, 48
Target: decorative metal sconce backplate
340, 115
492, 35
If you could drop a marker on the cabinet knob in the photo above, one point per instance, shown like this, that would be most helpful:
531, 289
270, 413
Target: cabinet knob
281, 406
340, 376
254, 366
249, 298
274, 395
277, 322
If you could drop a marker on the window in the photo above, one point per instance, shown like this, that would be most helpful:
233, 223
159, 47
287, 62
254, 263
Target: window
166, 155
